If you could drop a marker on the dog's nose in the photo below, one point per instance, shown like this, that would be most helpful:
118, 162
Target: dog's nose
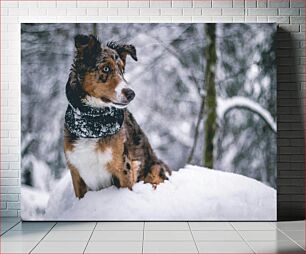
128, 93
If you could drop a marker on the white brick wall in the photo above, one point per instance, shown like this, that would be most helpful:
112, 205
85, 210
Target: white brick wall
289, 13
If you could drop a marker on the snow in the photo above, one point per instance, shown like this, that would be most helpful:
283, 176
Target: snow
192, 193
225, 105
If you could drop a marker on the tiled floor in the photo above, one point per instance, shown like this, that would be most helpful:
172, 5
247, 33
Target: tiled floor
152, 237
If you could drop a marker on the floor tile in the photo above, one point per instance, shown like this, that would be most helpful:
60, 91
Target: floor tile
211, 226
168, 236
114, 247
295, 234
216, 236
253, 226
23, 236
70, 236
116, 236
120, 226
263, 235
169, 247
63, 226
60, 247
33, 226
17, 247
166, 226
291, 225
276, 247
223, 247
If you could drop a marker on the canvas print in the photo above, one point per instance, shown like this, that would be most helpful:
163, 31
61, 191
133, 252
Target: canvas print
149, 122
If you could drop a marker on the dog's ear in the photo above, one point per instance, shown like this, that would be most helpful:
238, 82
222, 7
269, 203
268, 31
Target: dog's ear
88, 48
123, 50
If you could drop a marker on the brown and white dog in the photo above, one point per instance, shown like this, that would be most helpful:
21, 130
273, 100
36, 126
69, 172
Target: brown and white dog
103, 143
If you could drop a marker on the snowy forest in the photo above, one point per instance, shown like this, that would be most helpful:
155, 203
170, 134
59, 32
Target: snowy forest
205, 96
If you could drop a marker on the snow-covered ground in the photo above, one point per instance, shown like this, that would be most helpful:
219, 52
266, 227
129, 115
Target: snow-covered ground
192, 193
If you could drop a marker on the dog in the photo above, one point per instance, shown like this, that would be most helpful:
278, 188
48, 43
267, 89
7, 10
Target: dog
103, 143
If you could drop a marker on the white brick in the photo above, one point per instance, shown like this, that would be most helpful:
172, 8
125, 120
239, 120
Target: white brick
211, 11
139, 4
262, 3
202, 19
233, 11
222, 19
9, 181
250, 3
202, 3
14, 165
288, 11
172, 11
92, 19
117, 19
302, 11
158, 19
9, 4
182, 19
9, 213
76, 12
28, 4
128, 11
11, 189
262, 12
297, 19
38, 11
250, 19
66, 4
279, 19
192, 11
8, 19
9, 197
139, 19
57, 12
222, 3
18, 12
149, 11
47, 4
297, 3
278, 3
13, 205
108, 11
9, 174
63, 19
92, 4
182, 3
160, 3
238, 3
92, 12
118, 4
290, 28
4, 11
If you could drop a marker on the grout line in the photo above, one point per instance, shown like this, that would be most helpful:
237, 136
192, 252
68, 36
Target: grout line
290, 238
42, 238
10, 227
143, 232
193, 238
90, 236
244, 240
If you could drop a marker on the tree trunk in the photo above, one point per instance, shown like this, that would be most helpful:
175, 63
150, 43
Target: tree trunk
210, 102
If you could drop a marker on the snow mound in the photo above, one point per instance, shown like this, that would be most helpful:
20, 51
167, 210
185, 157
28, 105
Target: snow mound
192, 193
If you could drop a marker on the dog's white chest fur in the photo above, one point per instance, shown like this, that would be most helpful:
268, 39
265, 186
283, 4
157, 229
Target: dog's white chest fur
91, 163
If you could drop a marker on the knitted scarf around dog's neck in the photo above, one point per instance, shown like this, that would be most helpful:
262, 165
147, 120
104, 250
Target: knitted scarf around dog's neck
94, 122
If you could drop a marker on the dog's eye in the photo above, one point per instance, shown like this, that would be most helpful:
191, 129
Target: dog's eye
106, 69
116, 57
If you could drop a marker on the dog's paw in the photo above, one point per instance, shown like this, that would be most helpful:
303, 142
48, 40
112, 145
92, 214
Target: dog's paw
158, 173
129, 174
